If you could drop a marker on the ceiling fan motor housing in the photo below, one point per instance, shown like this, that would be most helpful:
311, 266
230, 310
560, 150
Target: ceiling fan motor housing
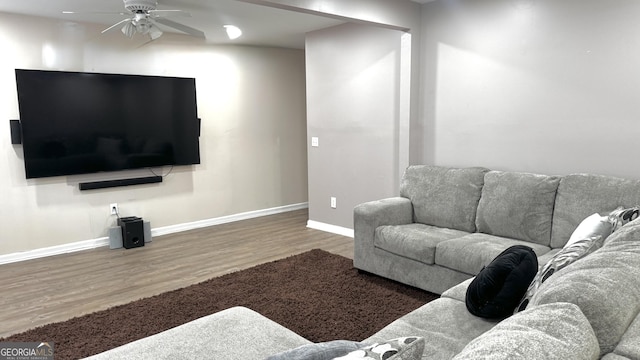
140, 5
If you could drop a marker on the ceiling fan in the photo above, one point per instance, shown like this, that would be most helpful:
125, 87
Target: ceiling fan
144, 19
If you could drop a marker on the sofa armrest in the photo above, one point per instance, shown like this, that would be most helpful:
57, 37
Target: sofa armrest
391, 211
234, 333
368, 216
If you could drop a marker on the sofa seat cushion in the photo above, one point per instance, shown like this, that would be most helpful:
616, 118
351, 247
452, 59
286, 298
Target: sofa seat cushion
444, 197
470, 253
553, 331
458, 292
444, 323
580, 195
614, 356
605, 285
517, 205
629, 345
414, 241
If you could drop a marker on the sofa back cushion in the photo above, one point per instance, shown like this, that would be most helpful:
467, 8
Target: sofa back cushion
580, 195
553, 331
444, 197
517, 205
605, 285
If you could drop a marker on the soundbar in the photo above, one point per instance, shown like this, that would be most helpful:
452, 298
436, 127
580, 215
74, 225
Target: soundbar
120, 182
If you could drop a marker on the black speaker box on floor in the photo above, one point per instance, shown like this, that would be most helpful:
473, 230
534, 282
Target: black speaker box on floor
132, 232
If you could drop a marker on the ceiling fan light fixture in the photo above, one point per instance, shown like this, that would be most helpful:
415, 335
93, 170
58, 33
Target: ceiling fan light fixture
154, 32
233, 32
143, 27
129, 29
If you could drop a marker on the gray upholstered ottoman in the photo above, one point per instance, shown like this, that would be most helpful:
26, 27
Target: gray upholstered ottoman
235, 333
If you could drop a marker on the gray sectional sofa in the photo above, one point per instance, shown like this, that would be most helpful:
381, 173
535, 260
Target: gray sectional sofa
446, 225
587, 310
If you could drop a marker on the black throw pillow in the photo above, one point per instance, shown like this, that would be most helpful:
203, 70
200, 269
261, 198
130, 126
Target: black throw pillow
498, 288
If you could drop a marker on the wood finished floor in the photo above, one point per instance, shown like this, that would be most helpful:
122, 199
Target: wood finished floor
57, 288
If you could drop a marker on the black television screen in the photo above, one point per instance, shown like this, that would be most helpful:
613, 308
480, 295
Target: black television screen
76, 123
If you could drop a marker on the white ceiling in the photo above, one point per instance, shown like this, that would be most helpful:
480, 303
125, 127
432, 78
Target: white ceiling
261, 25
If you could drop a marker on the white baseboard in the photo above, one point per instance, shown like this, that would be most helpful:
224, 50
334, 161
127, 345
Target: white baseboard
54, 250
330, 228
165, 230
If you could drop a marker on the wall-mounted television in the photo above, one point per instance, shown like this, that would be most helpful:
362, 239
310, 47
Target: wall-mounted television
79, 122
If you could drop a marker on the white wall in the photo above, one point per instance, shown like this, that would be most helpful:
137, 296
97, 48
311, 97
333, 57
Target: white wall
393, 14
253, 144
541, 86
353, 107
362, 100
402, 15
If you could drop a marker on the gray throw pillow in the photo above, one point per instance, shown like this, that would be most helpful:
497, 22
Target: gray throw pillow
592, 226
562, 259
586, 238
404, 348
620, 216
319, 351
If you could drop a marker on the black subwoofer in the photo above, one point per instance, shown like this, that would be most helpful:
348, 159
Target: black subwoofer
132, 232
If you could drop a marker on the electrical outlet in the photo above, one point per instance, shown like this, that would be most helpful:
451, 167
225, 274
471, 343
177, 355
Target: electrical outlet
333, 203
113, 208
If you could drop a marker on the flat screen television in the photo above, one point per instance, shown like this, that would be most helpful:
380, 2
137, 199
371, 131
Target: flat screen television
78, 122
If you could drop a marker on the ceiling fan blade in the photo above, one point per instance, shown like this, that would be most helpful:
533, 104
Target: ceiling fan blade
184, 28
115, 25
96, 12
156, 13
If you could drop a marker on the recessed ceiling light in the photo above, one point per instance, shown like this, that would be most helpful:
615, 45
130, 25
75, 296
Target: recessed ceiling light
233, 32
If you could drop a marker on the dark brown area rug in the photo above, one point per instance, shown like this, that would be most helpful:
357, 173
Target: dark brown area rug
318, 295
